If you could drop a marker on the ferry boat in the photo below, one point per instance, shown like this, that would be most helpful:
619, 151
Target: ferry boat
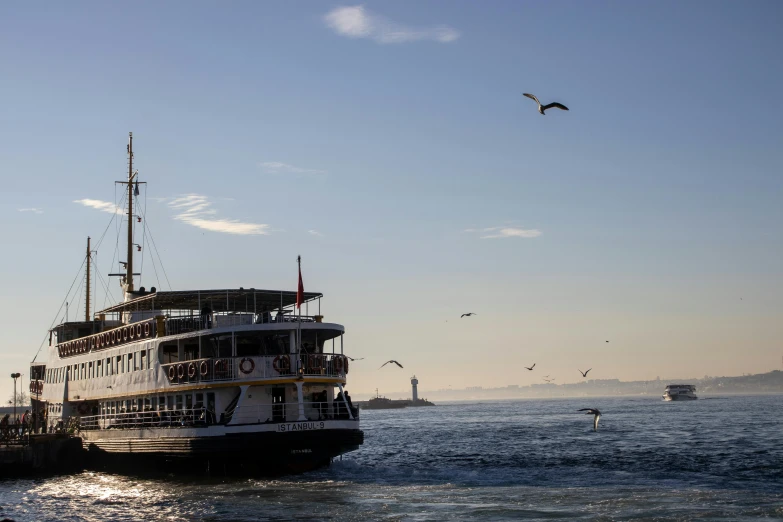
680, 392
227, 379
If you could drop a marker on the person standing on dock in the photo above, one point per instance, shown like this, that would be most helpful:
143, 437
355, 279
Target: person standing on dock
26, 422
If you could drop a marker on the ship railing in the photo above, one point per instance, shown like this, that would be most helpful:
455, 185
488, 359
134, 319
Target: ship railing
178, 418
193, 323
290, 412
255, 367
186, 324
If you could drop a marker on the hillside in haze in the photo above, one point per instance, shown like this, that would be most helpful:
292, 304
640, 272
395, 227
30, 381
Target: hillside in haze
771, 382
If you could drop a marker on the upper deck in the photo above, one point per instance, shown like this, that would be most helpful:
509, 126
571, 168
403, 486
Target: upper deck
158, 314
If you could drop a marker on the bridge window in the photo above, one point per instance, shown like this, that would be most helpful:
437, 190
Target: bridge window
143, 360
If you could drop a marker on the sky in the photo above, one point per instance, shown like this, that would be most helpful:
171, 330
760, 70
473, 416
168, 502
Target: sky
389, 144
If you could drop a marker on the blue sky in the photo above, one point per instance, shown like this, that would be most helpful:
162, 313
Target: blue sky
368, 138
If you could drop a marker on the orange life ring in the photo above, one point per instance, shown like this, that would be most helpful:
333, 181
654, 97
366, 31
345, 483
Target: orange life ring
172, 373
282, 364
131, 332
138, 331
113, 336
146, 329
204, 368
124, 333
191, 370
181, 371
242, 367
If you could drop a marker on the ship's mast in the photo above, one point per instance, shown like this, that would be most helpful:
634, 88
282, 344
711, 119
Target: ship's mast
87, 303
129, 266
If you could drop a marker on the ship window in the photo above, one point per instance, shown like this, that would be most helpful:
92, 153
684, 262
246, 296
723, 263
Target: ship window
147, 404
170, 402
189, 401
179, 402
82, 371
249, 344
90, 369
161, 403
143, 361
169, 353
191, 350
108, 366
130, 362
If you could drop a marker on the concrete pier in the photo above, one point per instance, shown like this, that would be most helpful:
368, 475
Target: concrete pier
41, 454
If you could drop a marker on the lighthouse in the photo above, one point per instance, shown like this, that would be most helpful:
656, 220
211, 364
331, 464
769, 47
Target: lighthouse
414, 391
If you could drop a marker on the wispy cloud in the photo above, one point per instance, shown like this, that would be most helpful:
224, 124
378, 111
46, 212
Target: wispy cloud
103, 206
496, 233
196, 210
504, 231
276, 167
357, 22
33, 210
315, 233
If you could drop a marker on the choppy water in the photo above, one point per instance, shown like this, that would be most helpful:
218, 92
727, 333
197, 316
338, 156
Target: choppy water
711, 459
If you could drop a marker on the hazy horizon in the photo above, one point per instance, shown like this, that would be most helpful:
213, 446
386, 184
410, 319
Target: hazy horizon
390, 146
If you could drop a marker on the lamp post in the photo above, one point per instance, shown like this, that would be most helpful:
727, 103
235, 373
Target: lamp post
15, 376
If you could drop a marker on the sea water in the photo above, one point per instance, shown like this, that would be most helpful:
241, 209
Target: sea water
717, 458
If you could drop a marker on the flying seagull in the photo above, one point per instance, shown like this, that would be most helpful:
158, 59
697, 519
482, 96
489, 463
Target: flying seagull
392, 361
593, 411
359, 359
584, 374
542, 108
534, 365
466, 315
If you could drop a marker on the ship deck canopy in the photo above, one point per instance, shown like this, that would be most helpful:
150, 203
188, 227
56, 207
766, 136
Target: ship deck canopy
248, 300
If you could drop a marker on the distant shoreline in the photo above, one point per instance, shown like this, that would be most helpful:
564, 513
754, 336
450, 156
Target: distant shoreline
770, 383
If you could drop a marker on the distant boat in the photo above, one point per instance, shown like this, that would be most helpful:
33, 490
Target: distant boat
382, 403
680, 392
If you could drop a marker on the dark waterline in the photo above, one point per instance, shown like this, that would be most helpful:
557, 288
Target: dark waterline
717, 459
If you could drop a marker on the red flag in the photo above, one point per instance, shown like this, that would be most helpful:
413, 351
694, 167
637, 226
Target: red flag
300, 289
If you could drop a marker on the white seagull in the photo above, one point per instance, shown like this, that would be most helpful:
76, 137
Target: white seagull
593, 411
542, 108
392, 361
